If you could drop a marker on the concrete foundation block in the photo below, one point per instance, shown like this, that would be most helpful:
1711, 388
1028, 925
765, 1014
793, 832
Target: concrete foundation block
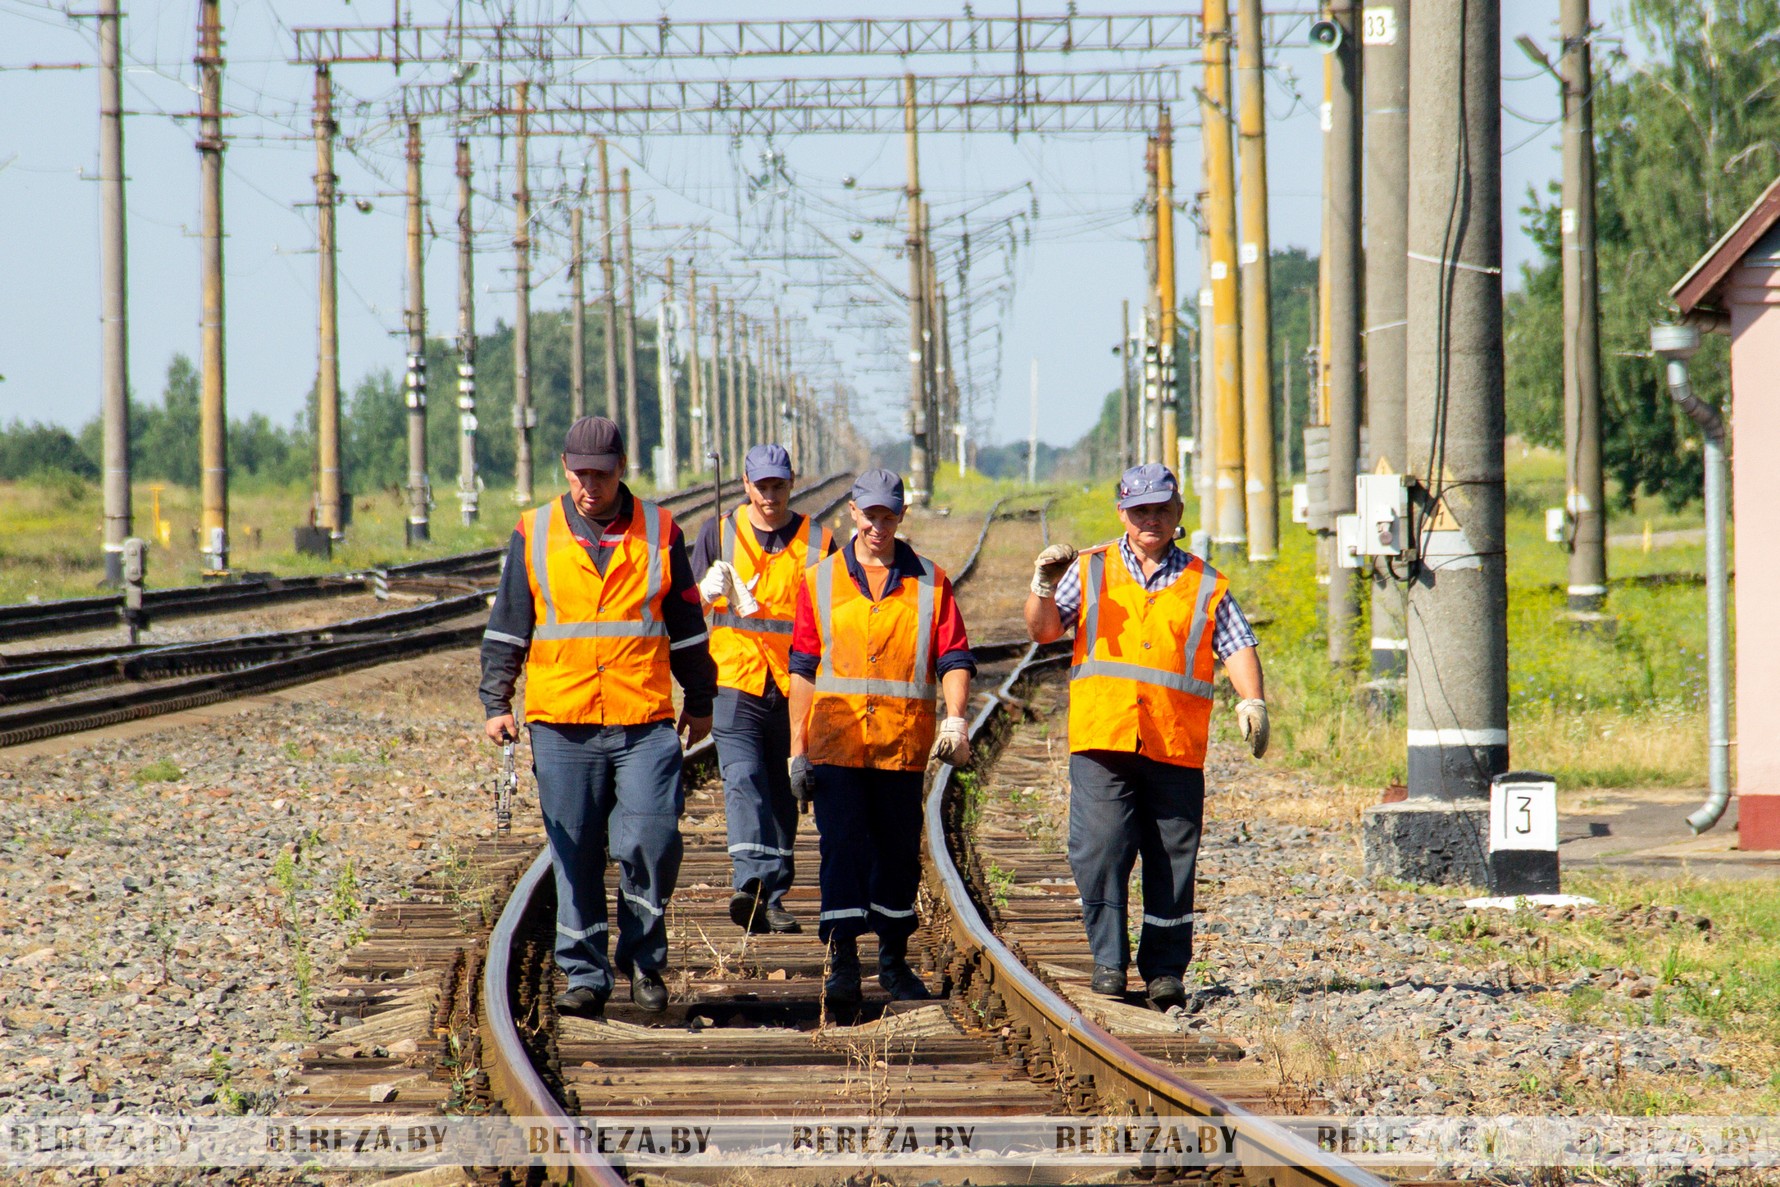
1428, 841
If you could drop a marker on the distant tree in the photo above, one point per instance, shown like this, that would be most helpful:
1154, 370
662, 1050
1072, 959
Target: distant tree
1685, 139
375, 434
34, 450
166, 446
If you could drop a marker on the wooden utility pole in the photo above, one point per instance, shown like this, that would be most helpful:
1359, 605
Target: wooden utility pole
213, 424
1386, 68
1586, 486
420, 494
524, 416
633, 425
920, 477
1226, 338
330, 515
577, 315
468, 489
610, 298
1346, 278
697, 415
1260, 486
114, 316
1168, 398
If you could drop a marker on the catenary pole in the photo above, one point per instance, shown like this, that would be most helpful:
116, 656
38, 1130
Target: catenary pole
114, 315
1386, 56
667, 472
468, 487
1124, 385
697, 414
524, 417
633, 425
330, 513
734, 399
1169, 392
1258, 463
1207, 445
1151, 446
577, 314
609, 298
920, 456
1345, 282
1585, 487
419, 487
1458, 599
213, 437
1226, 339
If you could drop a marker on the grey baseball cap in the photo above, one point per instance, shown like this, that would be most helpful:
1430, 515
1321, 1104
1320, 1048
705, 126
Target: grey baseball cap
878, 488
593, 443
1151, 482
767, 461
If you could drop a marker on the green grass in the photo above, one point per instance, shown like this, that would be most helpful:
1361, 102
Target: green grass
159, 771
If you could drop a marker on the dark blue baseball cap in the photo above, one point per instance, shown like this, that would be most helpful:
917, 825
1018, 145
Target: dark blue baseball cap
767, 461
877, 488
1151, 482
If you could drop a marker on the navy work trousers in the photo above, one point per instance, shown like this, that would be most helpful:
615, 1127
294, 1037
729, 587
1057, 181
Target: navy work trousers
753, 737
616, 786
1122, 806
870, 823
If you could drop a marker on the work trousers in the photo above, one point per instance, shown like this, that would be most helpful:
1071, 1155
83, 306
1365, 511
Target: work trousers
753, 737
870, 825
616, 787
1122, 806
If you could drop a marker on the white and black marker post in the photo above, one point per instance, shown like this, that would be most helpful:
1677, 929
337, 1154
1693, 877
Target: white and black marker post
1523, 834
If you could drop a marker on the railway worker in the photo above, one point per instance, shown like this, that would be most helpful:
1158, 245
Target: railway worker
878, 634
763, 547
598, 602
1150, 622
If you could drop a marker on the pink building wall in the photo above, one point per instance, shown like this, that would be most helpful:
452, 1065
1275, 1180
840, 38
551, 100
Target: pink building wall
1752, 296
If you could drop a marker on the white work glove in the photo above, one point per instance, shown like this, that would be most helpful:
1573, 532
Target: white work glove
1049, 567
719, 582
953, 745
1251, 719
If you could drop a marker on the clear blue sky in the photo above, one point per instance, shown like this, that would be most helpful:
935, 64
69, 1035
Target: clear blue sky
1084, 255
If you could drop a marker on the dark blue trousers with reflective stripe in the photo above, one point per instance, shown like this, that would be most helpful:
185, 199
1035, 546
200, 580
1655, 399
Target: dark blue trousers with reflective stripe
870, 823
616, 788
753, 736
1122, 806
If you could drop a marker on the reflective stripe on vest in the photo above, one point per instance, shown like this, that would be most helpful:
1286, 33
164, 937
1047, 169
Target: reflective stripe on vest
760, 624
908, 690
1177, 682
641, 627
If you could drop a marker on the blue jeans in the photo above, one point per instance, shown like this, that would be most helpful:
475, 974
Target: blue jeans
870, 823
753, 736
616, 786
1122, 805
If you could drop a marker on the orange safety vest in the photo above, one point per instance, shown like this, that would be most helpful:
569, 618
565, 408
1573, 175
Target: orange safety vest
750, 650
599, 646
1141, 679
875, 686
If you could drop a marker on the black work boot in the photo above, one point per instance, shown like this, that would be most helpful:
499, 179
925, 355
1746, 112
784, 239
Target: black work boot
842, 986
895, 975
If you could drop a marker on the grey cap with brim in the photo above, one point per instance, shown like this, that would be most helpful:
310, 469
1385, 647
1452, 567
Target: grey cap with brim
593, 443
1150, 483
767, 461
878, 488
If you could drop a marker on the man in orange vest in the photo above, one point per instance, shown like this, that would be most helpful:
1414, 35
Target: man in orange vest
1151, 624
878, 637
754, 560
598, 603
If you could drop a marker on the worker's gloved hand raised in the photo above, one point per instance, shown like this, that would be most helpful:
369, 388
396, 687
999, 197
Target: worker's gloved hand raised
1049, 568
1251, 719
953, 745
719, 582
803, 782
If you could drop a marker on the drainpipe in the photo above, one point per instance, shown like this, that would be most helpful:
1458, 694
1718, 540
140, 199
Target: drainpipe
1675, 345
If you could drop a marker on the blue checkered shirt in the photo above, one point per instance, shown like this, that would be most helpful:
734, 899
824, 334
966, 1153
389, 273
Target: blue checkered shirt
1230, 631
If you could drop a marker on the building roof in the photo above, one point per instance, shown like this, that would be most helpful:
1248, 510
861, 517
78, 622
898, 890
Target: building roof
1701, 284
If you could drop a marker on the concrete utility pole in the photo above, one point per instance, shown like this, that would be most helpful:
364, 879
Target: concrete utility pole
610, 300
114, 314
667, 467
213, 423
1206, 447
1168, 400
1125, 392
577, 316
920, 480
420, 491
468, 488
735, 400
1458, 601
524, 416
766, 424
1226, 337
1586, 498
1260, 485
1151, 447
330, 513
1346, 278
633, 425
1386, 56
697, 415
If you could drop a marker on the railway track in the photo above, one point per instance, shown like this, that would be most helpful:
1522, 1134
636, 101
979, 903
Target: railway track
47, 693
745, 1036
